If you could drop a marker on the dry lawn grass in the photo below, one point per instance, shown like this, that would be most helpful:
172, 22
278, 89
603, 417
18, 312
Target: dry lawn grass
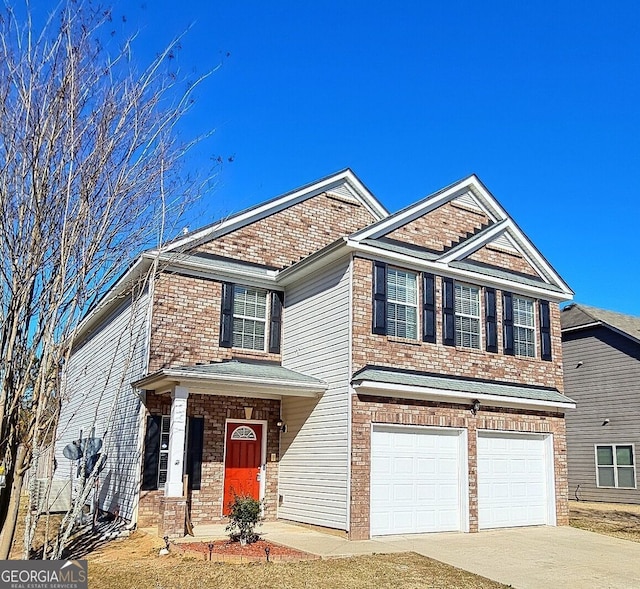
134, 564
612, 519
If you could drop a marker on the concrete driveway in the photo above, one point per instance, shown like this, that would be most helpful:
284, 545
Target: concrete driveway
525, 558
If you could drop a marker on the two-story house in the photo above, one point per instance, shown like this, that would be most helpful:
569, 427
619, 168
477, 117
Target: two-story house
353, 369
601, 351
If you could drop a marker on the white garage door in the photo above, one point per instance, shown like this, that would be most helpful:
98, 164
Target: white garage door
416, 480
515, 480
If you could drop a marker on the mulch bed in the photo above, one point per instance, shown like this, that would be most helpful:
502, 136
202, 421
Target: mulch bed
230, 551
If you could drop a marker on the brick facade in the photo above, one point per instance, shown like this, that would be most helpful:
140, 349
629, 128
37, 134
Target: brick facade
441, 228
290, 235
367, 410
503, 260
382, 350
206, 503
195, 337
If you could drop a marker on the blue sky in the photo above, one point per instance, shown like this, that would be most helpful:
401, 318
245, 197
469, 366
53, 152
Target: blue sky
540, 99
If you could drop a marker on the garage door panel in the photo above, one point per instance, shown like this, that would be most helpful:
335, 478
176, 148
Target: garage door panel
513, 480
423, 488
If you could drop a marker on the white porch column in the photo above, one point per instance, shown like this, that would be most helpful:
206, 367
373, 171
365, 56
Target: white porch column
177, 431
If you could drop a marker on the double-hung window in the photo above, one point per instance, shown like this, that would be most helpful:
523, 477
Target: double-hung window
467, 310
402, 303
615, 466
523, 327
249, 317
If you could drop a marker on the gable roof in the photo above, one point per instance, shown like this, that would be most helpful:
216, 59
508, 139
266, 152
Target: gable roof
577, 316
502, 231
343, 183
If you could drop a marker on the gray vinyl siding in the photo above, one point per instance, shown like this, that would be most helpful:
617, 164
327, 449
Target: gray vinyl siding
605, 386
98, 396
314, 452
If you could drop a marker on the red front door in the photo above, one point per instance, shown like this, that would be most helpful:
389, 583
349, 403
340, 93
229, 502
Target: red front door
242, 462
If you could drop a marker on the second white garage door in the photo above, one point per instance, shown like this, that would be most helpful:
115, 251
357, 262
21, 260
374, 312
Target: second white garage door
416, 480
515, 480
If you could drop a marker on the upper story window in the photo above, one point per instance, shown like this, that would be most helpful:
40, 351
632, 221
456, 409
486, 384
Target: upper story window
523, 327
250, 318
615, 466
467, 310
402, 303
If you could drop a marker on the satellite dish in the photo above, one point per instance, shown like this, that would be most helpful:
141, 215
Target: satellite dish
78, 448
72, 451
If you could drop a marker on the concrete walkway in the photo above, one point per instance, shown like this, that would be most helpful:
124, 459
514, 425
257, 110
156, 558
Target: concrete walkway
525, 558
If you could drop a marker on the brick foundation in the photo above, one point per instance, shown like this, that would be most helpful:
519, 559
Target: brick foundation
171, 517
206, 503
368, 410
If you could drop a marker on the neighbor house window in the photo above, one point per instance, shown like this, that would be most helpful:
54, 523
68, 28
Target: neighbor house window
615, 466
402, 303
163, 461
467, 308
523, 327
249, 317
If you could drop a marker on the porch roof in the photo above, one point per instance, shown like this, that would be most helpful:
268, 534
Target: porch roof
235, 378
386, 381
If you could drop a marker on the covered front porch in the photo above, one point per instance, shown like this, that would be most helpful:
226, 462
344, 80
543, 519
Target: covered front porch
213, 432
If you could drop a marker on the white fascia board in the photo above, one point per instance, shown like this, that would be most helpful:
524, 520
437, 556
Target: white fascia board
329, 254
524, 246
425, 206
114, 295
242, 385
209, 269
441, 269
581, 327
446, 396
278, 204
474, 243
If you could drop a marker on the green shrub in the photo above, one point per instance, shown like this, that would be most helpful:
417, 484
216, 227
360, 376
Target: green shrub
245, 515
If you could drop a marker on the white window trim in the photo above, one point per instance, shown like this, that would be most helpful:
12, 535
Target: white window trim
533, 328
404, 303
615, 466
266, 319
478, 317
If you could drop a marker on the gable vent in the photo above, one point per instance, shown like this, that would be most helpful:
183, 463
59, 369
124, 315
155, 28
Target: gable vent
467, 200
503, 242
343, 192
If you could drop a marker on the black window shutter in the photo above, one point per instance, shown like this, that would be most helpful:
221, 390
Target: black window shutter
428, 308
507, 323
275, 322
491, 319
151, 453
226, 316
448, 312
194, 451
545, 330
379, 321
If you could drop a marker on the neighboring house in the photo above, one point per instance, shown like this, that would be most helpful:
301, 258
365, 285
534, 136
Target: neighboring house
602, 373
356, 370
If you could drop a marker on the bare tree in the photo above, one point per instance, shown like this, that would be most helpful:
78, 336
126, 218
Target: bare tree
89, 172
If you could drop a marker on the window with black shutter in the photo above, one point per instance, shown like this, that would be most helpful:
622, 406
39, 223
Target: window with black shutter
448, 312
545, 330
428, 308
491, 320
507, 323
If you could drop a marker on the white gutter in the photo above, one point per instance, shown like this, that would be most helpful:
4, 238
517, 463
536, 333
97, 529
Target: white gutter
446, 396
